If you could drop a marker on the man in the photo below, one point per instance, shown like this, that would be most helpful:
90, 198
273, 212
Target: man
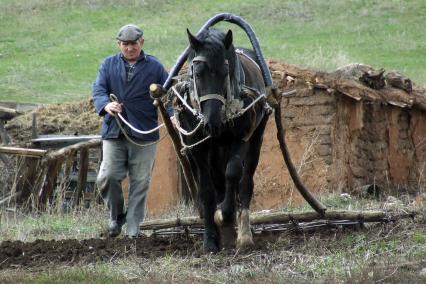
127, 75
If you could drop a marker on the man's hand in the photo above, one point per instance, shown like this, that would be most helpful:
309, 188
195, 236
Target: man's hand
113, 107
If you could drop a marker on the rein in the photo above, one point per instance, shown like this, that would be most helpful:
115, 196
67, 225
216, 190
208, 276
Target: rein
117, 119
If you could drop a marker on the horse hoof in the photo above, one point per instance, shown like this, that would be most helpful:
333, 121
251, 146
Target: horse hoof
228, 236
245, 242
210, 248
218, 217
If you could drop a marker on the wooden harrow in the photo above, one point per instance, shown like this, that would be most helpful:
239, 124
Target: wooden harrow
284, 221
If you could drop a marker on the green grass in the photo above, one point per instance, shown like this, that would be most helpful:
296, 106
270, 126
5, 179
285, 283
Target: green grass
52, 225
50, 50
66, 275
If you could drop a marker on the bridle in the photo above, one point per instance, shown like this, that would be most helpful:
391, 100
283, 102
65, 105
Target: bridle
220, 97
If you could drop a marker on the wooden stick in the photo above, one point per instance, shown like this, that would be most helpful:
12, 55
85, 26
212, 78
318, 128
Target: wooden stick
53, 167
26, 179
169, 223
82, 175
67, 170
284, 217
157, 91
5, 138
12, 195
66, 151
34, 153
315, 204
11, 111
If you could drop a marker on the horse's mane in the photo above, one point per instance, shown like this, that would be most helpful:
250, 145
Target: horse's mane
214, 50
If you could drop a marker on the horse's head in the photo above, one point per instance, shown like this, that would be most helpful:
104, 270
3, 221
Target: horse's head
212, 60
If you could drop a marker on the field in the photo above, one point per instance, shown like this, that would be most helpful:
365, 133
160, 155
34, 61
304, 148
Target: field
50, 52
52, 247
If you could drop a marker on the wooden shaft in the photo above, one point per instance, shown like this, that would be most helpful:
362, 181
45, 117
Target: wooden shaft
156, 92
315, 204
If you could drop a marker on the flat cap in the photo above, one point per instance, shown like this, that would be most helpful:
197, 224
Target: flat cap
129, 33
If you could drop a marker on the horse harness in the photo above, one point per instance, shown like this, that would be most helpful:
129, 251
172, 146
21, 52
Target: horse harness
232, 104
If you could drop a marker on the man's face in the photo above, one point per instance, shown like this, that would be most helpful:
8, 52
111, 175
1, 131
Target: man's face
131, 49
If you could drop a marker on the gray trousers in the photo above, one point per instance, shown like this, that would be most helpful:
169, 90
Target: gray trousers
121, 158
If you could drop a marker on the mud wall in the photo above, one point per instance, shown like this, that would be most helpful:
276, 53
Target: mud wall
308, 119
340, 144
384, 146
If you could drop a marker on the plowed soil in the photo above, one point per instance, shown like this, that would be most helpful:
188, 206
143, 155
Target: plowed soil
15, 254
41, 253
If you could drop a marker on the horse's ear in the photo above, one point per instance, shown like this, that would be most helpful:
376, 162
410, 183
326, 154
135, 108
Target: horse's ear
228, 39
193, 41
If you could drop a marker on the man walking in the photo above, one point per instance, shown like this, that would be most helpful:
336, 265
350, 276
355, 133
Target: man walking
127, 75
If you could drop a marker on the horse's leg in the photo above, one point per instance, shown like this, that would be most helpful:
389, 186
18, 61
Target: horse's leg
245, 194
198, 204
227, 232
225, 214
217, 160
233, 173
207, 199
245, 237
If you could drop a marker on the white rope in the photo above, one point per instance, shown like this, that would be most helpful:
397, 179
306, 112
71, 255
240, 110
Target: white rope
185, 132
185, 146
194, 112
248, 107
138, 130
115, 99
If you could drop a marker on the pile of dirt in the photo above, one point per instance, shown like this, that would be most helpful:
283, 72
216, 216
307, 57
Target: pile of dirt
78, 118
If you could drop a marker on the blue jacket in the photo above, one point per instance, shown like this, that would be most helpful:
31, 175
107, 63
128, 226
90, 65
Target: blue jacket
134, 95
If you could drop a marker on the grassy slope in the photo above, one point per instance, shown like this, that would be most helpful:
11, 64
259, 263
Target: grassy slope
50, 50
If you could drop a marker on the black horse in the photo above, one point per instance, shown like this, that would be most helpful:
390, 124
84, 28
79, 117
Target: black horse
227, 121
